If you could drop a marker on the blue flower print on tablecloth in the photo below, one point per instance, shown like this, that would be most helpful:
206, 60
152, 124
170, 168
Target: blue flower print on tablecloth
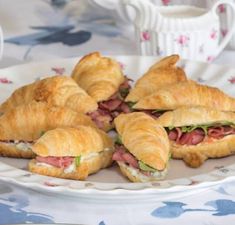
102, 223
49, 35
227, 189
222, 190
11, 211
173, 210
52, 34
222, 207
71, 27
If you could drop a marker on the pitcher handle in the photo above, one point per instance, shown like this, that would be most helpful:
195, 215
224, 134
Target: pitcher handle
228, 36
143, 8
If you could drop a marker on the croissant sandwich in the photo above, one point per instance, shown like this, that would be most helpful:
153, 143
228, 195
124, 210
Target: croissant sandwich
187, 93
199, 133
21, 126
72, 153
142, 149
102, 78
161, 73
55, 91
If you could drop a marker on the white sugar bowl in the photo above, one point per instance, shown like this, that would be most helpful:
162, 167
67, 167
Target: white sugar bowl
191, 32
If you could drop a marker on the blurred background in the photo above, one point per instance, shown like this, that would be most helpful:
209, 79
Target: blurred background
46, 29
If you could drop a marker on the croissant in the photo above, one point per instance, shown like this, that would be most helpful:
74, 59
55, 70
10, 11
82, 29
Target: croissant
161, 73
185, 116
199, 133
99, 76
55, 91
26, 123
93, 147
144, 138
187, 93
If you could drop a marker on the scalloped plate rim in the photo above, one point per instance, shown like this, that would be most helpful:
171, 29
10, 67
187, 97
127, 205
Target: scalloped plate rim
121, 188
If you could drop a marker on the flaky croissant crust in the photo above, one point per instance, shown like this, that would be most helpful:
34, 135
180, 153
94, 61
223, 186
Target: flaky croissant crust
161, 73
99, 76
55, 91
195, 155
187, 93
28, 122
144, 138
68, 141
197, 115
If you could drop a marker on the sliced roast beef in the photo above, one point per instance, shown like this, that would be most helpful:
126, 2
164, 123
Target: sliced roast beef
124, 107
122, 155
111, 108
173, 134
60, 162
191, 138
220, 131
110, 105
197, 135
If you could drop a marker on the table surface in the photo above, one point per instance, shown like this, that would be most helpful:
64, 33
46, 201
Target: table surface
42, 30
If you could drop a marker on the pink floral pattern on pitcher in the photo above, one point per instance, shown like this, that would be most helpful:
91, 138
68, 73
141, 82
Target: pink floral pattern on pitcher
213, 34
145, 36
210, 58
222, 8
4, 80
183, 40
166, 2
224, 32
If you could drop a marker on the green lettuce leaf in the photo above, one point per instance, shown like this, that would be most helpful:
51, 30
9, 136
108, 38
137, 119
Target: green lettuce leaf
130, 105
204, 127
188, 129
77, 160
118, 140
145, 167
169, 156
124, 92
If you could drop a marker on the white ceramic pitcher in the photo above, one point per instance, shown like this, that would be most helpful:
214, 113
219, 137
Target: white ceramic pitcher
191, 32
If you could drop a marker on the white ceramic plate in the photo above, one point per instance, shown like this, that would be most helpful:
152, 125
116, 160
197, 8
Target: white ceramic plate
109, 184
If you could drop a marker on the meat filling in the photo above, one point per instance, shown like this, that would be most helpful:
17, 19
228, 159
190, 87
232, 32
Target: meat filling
122, 155
111, 108
198, 135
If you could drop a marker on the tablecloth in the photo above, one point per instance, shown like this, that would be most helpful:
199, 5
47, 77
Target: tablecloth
50, 29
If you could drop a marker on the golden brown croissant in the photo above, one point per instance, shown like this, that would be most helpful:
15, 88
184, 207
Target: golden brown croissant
148, 143
84, 149
161, 73
187, 94
55, 91
24, 124
185, 116
195, 155
199, 133
68, 141
99, 76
